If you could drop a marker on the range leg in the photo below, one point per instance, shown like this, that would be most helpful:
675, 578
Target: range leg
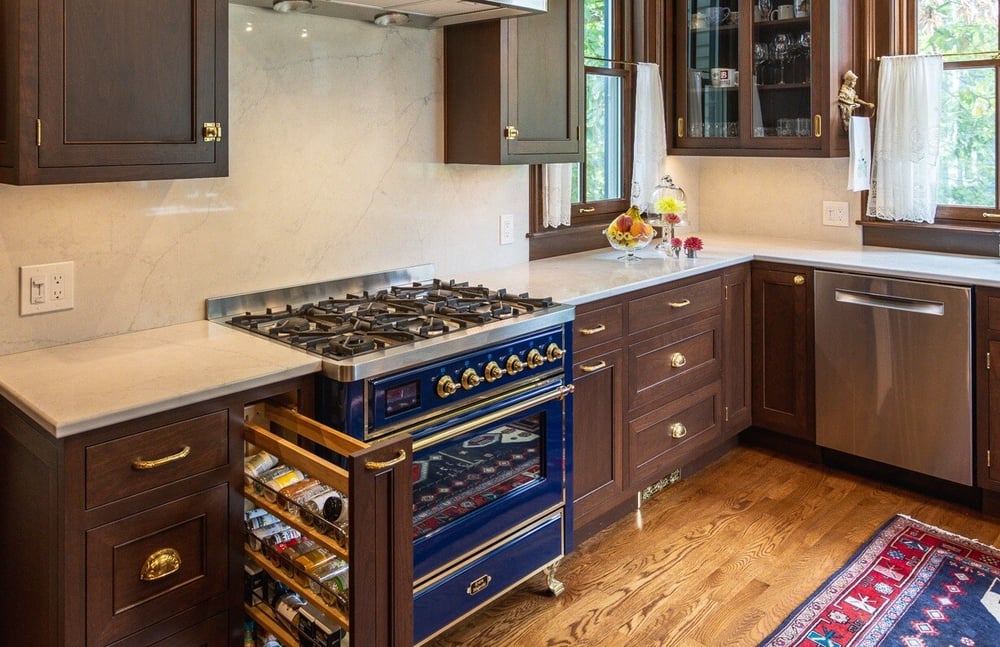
555, 586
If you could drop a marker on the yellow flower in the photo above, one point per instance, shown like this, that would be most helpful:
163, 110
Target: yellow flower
670, 204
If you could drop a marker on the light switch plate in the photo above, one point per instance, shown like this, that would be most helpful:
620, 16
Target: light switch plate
836, 214
507, 229
47, 288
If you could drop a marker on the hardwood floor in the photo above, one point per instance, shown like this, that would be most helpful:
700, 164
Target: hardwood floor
719, 558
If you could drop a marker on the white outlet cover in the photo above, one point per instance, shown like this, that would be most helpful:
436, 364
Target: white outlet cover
58, 292
836, 214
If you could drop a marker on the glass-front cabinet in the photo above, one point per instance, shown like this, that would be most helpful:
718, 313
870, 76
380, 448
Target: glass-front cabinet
760, 77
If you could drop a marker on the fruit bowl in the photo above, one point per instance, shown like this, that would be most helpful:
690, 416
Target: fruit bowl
629, 233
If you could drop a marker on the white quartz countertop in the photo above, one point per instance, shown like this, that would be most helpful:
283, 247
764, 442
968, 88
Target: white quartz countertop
78, 387
82, 386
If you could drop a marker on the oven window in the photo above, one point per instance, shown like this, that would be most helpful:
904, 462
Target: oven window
464, 474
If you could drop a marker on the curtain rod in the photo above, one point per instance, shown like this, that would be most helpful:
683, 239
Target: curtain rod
994, 53
610, 60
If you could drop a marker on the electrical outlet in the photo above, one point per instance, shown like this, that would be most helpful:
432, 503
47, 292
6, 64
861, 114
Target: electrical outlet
45, 288
836, 214
507, 229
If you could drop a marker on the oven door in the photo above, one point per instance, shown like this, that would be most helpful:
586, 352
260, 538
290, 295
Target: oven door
484, 474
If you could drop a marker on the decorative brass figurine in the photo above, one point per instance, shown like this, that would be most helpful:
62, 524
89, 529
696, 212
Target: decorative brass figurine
849, 100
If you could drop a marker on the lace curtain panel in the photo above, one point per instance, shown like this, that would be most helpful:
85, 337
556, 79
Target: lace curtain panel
649, 150
905, 158
556, 194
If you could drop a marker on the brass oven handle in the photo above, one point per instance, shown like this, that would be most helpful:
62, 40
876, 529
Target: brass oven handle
683, 303
141, 464
160, 564
678, 430
678, 360
465, 427
373, 466
594, 367
593, 331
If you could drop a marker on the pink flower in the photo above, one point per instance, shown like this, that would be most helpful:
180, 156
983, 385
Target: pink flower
692, 242
676, 242
673, 218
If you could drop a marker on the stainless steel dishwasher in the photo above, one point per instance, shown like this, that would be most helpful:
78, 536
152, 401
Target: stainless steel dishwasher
893, 372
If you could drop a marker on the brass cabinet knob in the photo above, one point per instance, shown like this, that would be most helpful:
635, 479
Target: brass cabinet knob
535, 358
160, 564
446, 386
514, 365
553, 353
470, 379
677, 360
799, 280
492, 372
678, 430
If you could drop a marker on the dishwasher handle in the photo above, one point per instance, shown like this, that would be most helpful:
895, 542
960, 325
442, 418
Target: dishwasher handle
889, 302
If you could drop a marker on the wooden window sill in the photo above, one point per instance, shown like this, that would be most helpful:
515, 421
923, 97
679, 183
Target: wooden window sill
948, 237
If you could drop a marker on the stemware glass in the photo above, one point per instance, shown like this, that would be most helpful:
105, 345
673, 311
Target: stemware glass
765, 8
780, 48
759, 58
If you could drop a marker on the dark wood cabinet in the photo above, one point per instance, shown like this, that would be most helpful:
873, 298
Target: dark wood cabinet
987, 374
514, 88
783, 350
736, 381
101, 91
759, 87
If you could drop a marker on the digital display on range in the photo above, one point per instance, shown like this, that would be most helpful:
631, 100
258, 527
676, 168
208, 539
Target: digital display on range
402, 398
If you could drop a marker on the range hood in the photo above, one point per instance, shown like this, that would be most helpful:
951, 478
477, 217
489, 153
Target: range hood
410, 13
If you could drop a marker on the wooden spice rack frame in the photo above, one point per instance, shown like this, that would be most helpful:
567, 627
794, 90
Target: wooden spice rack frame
377, 481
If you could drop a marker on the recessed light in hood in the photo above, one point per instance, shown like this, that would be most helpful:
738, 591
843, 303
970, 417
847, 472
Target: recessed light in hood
391, 18
419, 13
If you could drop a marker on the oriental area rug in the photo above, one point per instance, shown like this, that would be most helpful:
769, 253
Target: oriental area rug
911, 585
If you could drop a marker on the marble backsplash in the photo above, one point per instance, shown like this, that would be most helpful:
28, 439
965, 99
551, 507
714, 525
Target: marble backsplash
336, 149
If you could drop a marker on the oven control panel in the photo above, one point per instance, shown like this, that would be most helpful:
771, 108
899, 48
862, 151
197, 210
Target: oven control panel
480, 373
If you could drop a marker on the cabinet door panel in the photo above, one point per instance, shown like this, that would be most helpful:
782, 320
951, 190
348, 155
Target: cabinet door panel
993, 465
736, 381
8, 77
126, 82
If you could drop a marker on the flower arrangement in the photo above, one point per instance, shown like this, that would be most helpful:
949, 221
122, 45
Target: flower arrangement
671, 206
675, 246
692, 245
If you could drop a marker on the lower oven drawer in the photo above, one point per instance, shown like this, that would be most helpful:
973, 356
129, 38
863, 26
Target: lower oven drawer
460, 592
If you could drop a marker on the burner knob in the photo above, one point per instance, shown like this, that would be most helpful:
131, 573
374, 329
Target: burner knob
492, 372
535, 358
554, 353
469, 379
446, 386
514, 365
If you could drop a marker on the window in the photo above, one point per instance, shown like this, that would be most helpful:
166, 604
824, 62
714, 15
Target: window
966, 34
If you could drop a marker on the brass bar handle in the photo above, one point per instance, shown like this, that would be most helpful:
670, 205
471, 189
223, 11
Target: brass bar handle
678, 430
372, 466
587, 209
677, 360
683, 303
141, 464
798, 279
594, 367
987, 214
680, 127
160, 564
593, 331
818, 126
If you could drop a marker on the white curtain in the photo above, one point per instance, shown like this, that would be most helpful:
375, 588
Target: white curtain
556, 194
649, 151
905, 158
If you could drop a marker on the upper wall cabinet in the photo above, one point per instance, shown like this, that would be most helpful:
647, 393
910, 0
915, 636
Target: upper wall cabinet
513, 89
760, 77
104, 90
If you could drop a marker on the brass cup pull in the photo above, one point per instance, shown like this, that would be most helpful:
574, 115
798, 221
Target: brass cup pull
683, 303
678, 430
373, 466
160, 564
593, 331
798, 279
594, 367
141, 464
677, 360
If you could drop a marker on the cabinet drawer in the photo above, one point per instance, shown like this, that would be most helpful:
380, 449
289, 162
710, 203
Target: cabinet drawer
671, 362
112, 473
597, 326
119, 600
480, 581
674, 304
993, 306
667, 437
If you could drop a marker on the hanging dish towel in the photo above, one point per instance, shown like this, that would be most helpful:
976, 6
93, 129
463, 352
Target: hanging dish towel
860, 169
650, 148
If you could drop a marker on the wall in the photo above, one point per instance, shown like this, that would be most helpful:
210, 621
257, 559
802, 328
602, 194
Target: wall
335, 131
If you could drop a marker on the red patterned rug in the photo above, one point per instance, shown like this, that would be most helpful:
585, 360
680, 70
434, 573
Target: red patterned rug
911, 585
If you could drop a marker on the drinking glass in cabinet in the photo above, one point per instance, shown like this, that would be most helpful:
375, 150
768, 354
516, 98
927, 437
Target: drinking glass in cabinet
712, 50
